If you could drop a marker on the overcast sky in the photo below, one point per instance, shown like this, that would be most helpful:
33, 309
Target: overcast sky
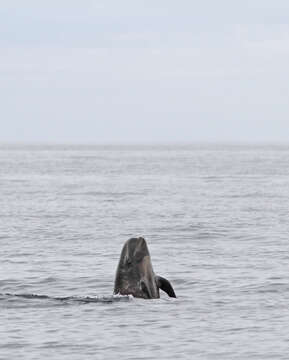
101, 71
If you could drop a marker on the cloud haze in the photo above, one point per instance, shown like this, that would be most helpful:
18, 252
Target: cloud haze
144, 71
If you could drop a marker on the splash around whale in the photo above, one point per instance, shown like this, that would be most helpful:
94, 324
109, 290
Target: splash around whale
134, 278
135, 275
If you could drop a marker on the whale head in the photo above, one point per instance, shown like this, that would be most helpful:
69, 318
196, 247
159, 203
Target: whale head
135, 275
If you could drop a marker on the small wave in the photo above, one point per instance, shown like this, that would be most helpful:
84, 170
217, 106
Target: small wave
275, 287
104, 194
69, 299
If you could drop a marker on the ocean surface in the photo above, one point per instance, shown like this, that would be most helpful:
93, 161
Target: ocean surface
216, 221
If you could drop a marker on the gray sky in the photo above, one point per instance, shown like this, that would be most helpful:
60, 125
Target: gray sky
96, 71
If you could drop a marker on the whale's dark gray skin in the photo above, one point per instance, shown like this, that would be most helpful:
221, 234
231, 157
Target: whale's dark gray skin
135, 275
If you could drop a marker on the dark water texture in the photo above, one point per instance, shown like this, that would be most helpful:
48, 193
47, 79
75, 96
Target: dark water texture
216, 222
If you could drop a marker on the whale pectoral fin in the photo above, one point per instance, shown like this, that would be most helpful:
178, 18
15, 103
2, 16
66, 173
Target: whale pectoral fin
165, 285
145, 290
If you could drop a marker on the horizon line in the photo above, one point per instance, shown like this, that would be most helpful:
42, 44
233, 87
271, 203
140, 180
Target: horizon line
147, 143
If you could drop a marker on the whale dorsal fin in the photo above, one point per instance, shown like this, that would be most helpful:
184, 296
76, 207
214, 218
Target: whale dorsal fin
165, 285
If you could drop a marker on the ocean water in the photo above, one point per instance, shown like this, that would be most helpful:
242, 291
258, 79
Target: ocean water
215, 218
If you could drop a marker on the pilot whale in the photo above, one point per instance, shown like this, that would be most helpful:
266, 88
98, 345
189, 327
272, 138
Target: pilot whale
135, 275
